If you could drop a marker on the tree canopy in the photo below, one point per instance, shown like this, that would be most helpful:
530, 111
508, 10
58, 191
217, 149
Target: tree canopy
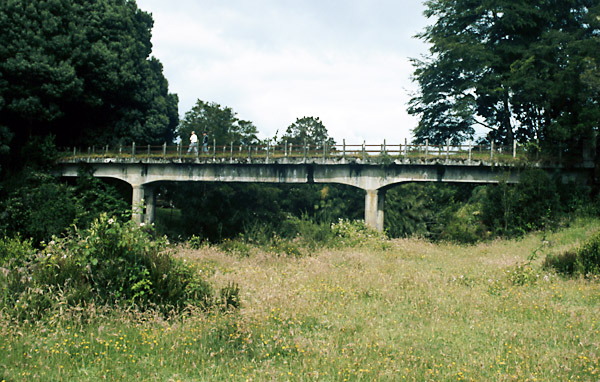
522, 70
81, 70
309, 130
219, 122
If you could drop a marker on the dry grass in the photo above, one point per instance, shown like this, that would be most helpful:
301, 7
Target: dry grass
414, 311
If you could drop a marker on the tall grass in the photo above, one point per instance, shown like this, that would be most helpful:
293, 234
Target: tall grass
409, 310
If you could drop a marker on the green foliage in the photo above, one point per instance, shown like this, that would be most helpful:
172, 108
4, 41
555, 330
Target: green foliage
564, 263
584, 260
310, 234
465, 226
67, 65
220, 124
428, 210
522, 274
531, 204
588, 256
39, 208
236, 246
523, 70
110, 263
284, 247
354, 233
307, 130
15, 251
92, 197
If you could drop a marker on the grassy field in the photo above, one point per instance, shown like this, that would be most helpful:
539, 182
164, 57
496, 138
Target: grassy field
407, 310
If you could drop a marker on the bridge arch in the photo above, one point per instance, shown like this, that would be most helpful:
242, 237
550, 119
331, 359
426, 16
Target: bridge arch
374, 179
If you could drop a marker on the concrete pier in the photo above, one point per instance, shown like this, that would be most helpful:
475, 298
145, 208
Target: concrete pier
373, 178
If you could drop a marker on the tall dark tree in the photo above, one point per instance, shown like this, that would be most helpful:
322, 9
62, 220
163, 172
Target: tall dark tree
309, 130
81, 71
520, 69
219, 122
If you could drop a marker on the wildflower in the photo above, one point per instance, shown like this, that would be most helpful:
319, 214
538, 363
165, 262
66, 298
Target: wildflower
111, 221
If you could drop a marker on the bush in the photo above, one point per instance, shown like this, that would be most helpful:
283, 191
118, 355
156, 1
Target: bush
585, 260
307, 232
111, 263
353, 233
588, 256
564, 263
15, 250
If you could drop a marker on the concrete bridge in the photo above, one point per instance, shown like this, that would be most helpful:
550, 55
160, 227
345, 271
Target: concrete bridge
373, 175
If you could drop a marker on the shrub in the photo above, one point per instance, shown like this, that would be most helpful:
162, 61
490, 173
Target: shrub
111, 263
564, 263
353, 233
585, 260
15, 250
284, 247
236, 246
309, 233
522, 274
588, 256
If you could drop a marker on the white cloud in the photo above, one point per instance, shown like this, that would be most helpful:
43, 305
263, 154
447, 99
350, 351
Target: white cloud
272, 64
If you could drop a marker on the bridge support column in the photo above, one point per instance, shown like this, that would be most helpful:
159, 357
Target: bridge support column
137, 203
150, 199
374, 201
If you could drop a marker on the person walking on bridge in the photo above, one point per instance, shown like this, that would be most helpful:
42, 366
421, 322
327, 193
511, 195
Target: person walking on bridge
205, 143
193, 143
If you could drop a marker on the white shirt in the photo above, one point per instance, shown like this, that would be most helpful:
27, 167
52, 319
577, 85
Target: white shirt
193, 138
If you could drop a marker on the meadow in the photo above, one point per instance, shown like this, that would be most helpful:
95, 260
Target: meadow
394, 310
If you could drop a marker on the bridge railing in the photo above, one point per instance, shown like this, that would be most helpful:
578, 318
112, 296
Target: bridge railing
377, 153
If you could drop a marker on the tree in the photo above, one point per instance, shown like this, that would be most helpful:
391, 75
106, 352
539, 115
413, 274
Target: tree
220, 123
81, 71
520, 69
309, 130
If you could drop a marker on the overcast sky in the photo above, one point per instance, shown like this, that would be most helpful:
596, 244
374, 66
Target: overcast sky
272, 61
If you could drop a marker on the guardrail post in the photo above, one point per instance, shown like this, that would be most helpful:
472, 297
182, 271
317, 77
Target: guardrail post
304, 150
214, 150
426, 148
179, 150
344, 149
165, 151
120, 150
492, 150
406, 147
286, 148
133, 150
74, 151
470, 152
364, 154
148, 159
89, 153
231, 153
105, 151
384, 147
249, 153
268, 149
324, 150
514, 148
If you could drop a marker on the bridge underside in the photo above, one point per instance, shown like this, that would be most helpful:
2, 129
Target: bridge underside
374, 179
